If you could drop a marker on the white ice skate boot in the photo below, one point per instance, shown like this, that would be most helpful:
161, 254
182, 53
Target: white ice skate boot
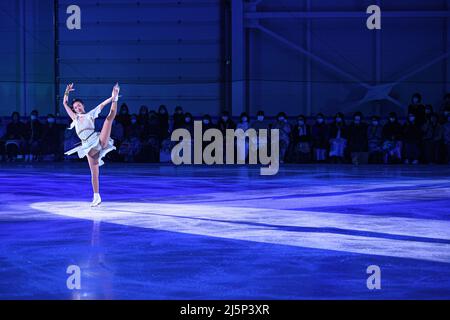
97, 200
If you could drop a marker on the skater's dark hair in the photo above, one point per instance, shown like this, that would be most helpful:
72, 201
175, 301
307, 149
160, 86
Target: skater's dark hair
77, 100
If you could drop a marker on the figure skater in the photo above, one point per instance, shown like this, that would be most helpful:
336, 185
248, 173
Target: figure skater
94, 145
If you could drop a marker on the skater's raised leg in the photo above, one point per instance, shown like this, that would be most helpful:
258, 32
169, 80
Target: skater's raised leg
107, 125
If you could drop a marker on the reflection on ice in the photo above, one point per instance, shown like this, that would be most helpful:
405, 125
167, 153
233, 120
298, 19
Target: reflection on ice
364, 234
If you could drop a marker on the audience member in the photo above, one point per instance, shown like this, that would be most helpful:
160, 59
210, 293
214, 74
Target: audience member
320, 138
375, 140
15, 137
392, 140
301, 138
358, 141
34, 130
412, 136
338, 139
284, 130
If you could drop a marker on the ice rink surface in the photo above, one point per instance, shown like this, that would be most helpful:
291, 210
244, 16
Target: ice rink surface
198, 232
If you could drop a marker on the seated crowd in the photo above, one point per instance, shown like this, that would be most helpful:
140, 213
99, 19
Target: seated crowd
423, 137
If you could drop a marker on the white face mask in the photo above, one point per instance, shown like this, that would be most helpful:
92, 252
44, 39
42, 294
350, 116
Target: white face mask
260, 118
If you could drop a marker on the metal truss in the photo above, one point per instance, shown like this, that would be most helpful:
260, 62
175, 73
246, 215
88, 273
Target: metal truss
374, 92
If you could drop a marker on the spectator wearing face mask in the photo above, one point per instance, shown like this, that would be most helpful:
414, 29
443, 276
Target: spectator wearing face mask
118, 135
358, 140
15, 137
225, 122
124, 116
207, 123
446, 138
189, 126
51, 138
178, 118
338, 139
284, 130
143, 118
412, 135
445, 114
301, 138
242, 145
392, 139
432, 139
243, 123
163, 119
320, 138
151, 141
33, 143
153, 130
445, 107
189, 123
2, 139
417, 109
375, 140
428, 112
258, 124
131, 147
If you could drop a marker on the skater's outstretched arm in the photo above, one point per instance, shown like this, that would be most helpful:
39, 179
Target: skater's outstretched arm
104, 103
69, 111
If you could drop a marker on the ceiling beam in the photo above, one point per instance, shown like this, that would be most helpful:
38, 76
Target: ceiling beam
343, 14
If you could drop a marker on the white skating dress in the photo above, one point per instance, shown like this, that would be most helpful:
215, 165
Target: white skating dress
84, 125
